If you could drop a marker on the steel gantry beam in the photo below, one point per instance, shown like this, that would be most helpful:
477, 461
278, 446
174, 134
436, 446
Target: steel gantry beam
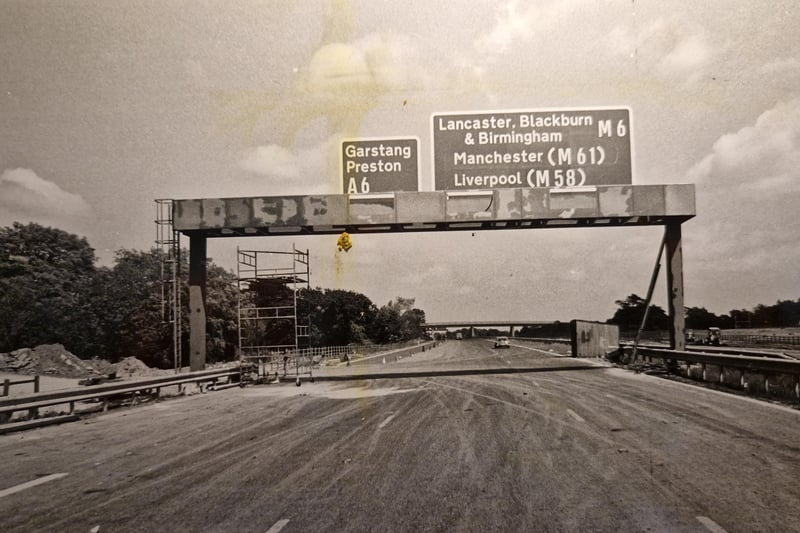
578, 207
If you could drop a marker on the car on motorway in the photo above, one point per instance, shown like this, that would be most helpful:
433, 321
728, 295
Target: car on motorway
501, 342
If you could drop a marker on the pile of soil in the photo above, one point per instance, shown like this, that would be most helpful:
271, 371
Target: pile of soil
131, 367
50, 359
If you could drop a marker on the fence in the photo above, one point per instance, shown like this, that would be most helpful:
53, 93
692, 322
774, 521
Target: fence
304, 360
791, 340
321, 353
647, 335
728, 338
7, 384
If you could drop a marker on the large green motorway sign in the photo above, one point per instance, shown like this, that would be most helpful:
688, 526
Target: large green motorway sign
541, 148
374, 165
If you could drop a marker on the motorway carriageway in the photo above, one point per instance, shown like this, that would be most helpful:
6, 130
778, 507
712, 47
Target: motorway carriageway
593, 449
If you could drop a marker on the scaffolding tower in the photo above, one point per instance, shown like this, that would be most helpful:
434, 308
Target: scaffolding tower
169, 253
274, 321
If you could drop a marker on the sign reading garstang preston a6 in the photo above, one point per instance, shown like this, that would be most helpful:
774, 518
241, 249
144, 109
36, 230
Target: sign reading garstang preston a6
379, 165
542, 148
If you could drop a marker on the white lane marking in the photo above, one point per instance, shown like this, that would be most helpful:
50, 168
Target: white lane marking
575, 415
277, 526
388, 419
710, 525
38, 481
598, 362
536, 350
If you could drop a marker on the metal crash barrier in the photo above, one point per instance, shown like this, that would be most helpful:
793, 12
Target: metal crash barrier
774, 376
105, 393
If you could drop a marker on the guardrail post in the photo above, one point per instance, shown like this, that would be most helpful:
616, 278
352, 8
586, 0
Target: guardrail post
36, 384
6, 386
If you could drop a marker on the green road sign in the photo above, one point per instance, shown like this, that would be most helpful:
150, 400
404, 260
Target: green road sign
542, 148
379, 165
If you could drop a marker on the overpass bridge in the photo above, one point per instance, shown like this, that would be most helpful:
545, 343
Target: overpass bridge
497, 324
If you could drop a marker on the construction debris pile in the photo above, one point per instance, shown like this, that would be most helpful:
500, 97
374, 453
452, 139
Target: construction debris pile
131, 367
53, 360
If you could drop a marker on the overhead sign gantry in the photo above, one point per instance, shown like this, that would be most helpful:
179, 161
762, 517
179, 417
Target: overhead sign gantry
562, 168
603, 206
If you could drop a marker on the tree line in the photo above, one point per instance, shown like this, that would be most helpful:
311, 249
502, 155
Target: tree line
629, 313
53, 291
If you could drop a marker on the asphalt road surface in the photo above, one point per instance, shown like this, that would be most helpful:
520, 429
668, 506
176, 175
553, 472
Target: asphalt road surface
559, 448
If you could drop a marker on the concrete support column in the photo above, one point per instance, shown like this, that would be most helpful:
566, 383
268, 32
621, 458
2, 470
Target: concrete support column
674, 249
197, 302
471, 332
511, 331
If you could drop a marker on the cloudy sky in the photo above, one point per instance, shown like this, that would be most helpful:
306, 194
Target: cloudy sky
105, 106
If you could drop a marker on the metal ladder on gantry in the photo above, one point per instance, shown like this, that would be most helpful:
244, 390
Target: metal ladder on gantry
169, 255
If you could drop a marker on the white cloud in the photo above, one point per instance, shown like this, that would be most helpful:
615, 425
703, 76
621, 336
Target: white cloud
514, 25
787, 65
273, 161
688, 54
747, 225
763, 158
668, 47
25, 197
509, 27
781, 72
288, 171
